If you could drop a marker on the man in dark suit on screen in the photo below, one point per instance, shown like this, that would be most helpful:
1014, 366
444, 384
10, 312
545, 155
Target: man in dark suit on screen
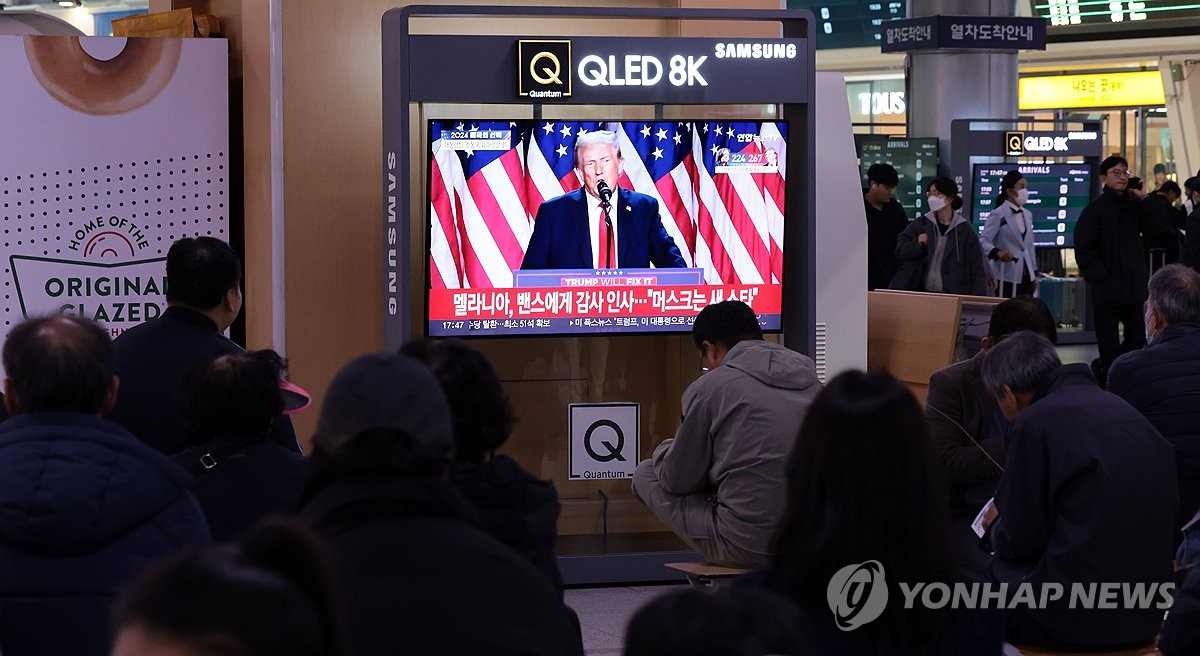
600, 226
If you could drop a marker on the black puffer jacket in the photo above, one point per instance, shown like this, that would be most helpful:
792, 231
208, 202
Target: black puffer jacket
1108, 246
84, 508
1163, 382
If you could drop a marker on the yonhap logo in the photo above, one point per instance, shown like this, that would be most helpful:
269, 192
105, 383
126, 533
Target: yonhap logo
857, 594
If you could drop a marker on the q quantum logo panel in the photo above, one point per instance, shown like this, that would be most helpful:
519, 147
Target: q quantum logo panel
119, 165
544, 68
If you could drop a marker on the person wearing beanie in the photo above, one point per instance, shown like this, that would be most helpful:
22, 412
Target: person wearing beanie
418, 574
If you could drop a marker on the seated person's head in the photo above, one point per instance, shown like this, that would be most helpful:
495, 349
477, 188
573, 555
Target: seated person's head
733, 622
1021, 313
383, 414
720, 326
59, 364
1014, 369
862, 469
205, 274
269, 593
1174, 298
482, 413
233, 395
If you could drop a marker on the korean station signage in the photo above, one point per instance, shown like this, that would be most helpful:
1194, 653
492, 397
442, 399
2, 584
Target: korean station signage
1129, 89
610, 70
963, 32
1082, 143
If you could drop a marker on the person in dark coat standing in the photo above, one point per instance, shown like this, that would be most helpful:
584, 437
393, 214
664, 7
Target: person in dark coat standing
204, 296
229, 406
885, 222
1191, 223
84, 506
1162, 381
517, 508
1088, 496
418, 574
1108, 248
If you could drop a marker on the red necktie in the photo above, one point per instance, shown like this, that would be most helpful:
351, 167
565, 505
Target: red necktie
604, 242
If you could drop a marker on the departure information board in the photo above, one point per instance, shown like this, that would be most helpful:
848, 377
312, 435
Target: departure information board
1057, 195
850, 23
1077, 20
915, 160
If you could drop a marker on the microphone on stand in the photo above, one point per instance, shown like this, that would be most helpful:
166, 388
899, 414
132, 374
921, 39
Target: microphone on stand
604, 192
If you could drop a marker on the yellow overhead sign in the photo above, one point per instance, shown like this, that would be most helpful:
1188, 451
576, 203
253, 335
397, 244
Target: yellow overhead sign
1091, 90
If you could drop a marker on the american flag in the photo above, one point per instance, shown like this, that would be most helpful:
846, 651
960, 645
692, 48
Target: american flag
729, 223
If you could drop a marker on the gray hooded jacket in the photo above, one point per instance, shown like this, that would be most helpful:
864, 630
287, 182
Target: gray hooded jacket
740, 422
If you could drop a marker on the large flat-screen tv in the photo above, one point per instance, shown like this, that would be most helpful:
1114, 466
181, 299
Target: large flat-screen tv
1057, 195
516, 241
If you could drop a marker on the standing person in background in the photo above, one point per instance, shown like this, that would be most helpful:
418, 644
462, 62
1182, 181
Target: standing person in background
1007, 238
1166, 247
940, 252
1191, 230
885, 222
1108, 248
1160, 175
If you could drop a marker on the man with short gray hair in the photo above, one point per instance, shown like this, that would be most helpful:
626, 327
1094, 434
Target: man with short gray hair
1088, 496
1162, 380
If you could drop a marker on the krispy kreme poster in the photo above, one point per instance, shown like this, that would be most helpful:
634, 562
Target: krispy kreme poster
114, 148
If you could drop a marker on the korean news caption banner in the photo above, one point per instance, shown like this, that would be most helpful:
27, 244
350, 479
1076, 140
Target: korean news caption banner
125, 151
719, 188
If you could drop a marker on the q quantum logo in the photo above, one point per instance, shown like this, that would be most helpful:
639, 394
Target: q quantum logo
544, 68
1014, 143
857, 594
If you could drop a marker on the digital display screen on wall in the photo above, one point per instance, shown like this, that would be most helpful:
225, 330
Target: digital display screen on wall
519, 244
915, 161
1057, 195
850, 23
1127, 18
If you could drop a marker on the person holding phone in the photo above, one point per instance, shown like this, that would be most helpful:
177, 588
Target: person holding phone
1007, 237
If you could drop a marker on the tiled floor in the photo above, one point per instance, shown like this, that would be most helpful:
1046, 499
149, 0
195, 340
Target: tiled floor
604, 613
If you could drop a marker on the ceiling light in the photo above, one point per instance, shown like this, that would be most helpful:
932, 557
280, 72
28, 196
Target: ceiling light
69, 4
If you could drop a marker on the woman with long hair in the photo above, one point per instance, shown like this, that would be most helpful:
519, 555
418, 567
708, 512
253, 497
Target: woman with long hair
866, 506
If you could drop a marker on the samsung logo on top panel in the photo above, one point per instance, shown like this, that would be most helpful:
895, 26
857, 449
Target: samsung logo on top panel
755, 51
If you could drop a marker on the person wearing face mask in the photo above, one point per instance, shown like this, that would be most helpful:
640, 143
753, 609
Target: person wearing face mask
940, 252
1007, 237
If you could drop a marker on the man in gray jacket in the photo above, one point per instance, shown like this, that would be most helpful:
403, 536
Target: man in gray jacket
720, 483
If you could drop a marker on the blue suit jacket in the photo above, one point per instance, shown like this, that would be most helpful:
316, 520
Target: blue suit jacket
562, 239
